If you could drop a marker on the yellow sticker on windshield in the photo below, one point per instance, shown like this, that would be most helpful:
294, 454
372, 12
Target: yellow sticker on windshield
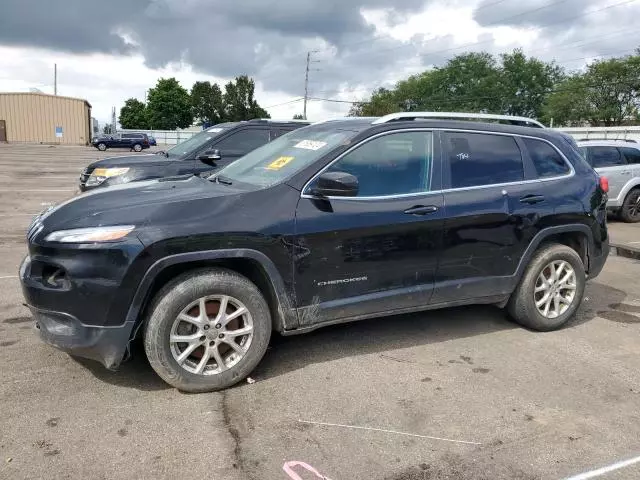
278, 163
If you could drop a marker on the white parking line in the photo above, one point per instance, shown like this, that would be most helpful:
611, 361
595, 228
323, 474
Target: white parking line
9, 276
395, 432
605, 470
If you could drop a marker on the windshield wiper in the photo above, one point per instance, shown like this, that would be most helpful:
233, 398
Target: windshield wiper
162, 152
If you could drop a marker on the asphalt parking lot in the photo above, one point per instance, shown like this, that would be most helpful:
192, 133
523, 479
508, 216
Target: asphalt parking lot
452, 394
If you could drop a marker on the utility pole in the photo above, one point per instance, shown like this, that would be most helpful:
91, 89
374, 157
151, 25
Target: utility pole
306, 86
55, 79
306, 83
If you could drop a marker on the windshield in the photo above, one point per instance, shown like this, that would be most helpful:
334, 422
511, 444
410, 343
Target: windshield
195, 142
287, 155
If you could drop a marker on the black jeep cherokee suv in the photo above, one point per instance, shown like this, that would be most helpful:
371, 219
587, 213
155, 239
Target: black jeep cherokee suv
337, 221
206, 151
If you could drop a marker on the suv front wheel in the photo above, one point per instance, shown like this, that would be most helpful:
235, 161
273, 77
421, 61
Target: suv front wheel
550, 290
207, 330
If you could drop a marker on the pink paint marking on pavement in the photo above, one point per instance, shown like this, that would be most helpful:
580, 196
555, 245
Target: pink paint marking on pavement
288, 469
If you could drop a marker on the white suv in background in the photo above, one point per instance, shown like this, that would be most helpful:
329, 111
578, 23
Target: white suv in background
619, 161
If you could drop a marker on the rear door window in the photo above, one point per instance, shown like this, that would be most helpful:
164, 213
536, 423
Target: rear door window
601, 157
546, 159
477, 159
632, 155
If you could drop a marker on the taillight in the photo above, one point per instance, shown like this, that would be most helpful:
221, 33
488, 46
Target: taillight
604, 184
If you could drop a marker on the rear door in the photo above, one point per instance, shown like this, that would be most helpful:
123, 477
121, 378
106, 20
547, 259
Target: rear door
481, 239
609, 161
632, 156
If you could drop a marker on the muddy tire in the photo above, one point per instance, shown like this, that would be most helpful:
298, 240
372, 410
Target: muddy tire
207, 330
551, 289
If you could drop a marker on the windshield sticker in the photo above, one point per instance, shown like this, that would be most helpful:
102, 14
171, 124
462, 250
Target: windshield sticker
310, 145
278, 163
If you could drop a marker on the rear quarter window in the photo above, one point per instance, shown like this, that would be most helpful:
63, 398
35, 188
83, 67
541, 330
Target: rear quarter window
546, 159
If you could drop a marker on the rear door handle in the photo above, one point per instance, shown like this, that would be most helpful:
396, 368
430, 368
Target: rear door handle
531, 199
421, 210
626, 172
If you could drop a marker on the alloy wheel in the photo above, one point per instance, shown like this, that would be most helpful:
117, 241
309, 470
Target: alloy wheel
633, 206
211, 335
555, 289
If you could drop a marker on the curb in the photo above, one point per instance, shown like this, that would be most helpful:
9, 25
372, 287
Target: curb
624, 251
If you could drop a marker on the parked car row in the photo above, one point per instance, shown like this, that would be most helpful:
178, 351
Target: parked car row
206, 151
333, 222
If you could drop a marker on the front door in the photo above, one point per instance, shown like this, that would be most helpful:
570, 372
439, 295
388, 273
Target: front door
481, 240
3, 131
376, 252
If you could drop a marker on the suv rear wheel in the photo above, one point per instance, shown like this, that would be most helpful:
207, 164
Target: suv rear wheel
137, 147
550, 290
630, 211
208, 329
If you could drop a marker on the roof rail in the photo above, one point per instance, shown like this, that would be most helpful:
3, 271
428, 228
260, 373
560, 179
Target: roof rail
278, 120
521, 121
628, 140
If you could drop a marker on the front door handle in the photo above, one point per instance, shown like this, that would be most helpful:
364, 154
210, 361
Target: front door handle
531, 199
421, 210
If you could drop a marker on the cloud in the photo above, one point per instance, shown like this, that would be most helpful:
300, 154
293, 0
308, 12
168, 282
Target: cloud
360, 44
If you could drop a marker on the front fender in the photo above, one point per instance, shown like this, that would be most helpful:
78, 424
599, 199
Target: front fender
630, 185
286, 315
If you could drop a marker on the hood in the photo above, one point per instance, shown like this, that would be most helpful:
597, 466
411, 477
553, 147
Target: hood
138, 202
149, 159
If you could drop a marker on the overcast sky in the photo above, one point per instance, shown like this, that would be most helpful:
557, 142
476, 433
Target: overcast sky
108, 51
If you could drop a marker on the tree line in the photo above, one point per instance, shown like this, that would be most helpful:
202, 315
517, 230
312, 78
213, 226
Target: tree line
169, 106
606, 92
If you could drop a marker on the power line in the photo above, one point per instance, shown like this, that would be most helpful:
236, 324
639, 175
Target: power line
285, 103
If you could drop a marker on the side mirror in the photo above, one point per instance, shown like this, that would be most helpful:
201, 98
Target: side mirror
210, 156
335, 184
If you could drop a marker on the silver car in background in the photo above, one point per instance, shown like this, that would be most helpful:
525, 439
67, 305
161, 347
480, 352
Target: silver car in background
619, 161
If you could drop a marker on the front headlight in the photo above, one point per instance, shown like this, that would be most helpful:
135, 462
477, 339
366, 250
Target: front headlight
99, 175
90, 235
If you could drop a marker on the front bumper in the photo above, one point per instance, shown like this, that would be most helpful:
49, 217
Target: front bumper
79, 298
107, 345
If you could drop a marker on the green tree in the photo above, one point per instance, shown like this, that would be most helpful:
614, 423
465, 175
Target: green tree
133, 115
567, 105
206, 100
525, 83
239, 102
607, 93
382, 102
298, 116
471, 82
169, 105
